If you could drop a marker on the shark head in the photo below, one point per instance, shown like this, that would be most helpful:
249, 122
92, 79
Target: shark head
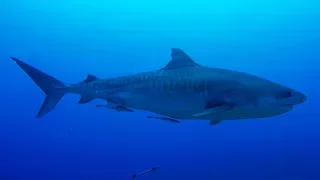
278, 96
289, 97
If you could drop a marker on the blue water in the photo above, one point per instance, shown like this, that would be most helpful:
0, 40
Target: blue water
275, 39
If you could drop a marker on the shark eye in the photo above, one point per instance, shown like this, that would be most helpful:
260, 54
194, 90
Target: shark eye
286, 94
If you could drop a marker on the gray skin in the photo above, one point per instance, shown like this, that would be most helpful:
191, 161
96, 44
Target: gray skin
182, 89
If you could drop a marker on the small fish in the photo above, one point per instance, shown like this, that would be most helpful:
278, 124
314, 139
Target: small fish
164, 119
144, 172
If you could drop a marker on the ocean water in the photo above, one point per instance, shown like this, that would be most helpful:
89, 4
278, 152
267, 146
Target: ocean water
275, 39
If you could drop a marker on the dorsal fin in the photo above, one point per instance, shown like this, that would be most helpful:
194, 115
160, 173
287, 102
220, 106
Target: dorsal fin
179, 59
90, 78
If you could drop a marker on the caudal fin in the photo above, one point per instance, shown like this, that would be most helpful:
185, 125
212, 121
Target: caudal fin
53, 88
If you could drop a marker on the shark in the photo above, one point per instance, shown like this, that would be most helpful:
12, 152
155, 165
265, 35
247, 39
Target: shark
183, 89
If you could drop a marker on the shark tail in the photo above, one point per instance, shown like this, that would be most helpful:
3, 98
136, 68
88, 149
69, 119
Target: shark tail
53, 88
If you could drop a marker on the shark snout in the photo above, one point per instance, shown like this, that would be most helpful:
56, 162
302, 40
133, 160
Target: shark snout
294, 98
301, 98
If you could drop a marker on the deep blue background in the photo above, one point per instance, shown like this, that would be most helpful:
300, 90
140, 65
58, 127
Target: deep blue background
275, 39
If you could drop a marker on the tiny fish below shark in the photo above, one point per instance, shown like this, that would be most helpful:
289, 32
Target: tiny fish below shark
183, 90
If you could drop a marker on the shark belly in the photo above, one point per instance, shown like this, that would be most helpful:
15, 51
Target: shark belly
173, 105
242, 113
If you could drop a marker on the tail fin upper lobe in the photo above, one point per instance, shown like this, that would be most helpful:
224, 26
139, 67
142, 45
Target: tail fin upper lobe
53, 88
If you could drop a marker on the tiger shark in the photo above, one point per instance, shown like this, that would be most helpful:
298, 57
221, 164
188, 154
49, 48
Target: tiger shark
183, 89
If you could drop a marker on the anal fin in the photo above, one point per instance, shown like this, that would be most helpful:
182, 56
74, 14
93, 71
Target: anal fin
116, 104
85, 100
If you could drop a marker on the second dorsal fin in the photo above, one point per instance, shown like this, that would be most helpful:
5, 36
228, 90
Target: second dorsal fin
90, 78
179, 59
